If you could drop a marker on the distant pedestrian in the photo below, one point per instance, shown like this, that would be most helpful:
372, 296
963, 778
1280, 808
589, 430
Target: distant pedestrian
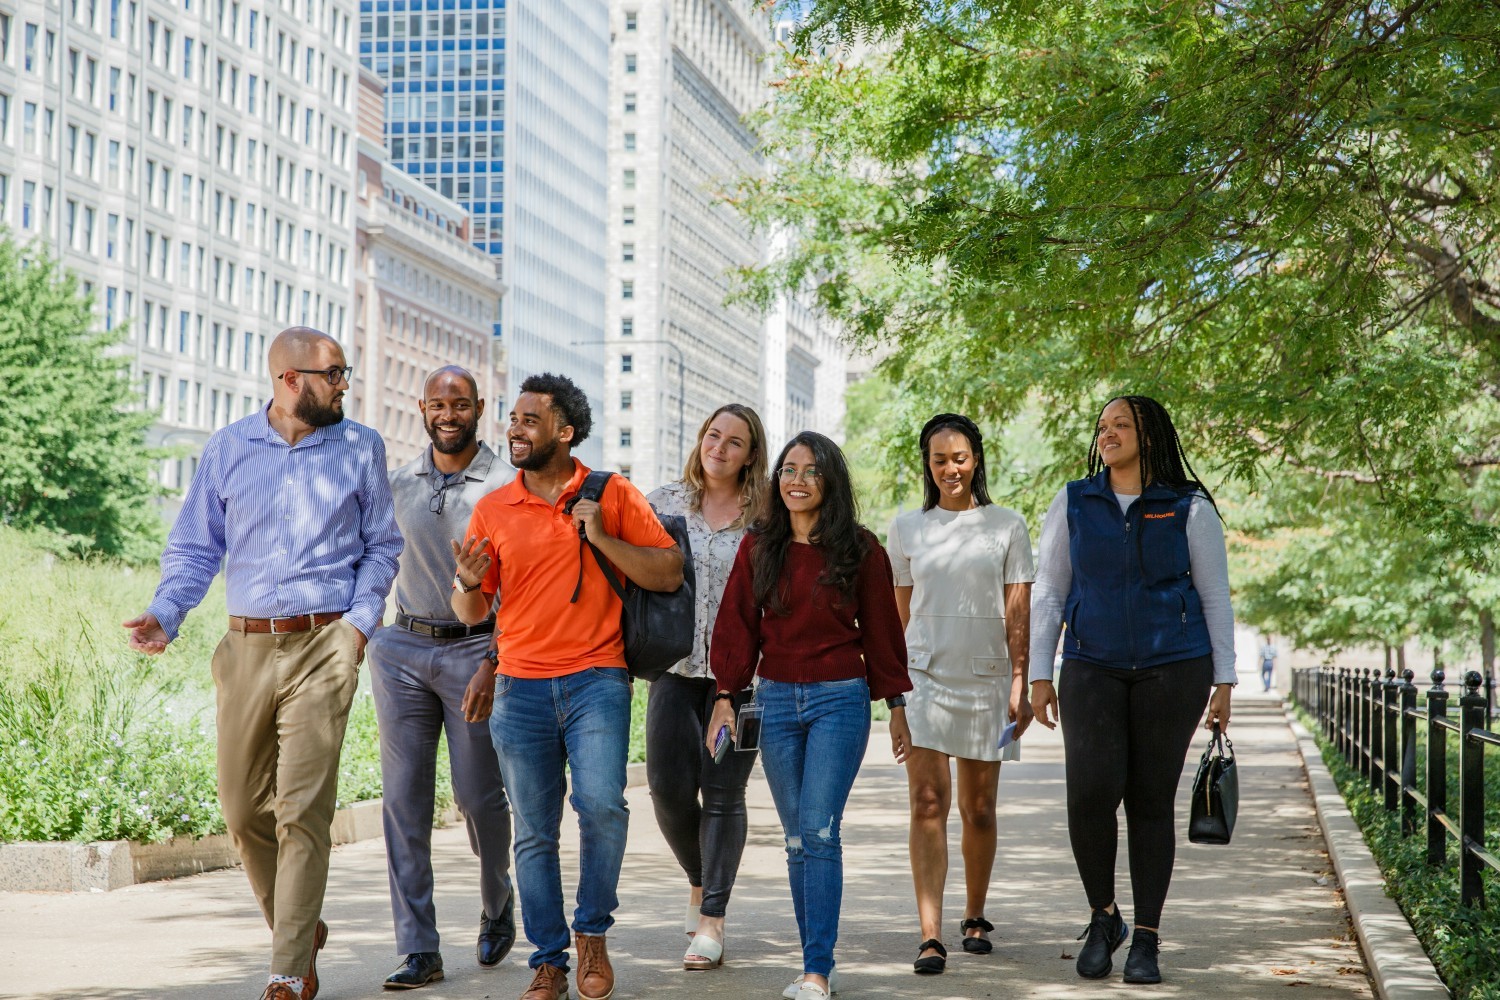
700, 804
810, 607
1267, 662
562, 701
430, 675
963, 586
294, 500
1132, 560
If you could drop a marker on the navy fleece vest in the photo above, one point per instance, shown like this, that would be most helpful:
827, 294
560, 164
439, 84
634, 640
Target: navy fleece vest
1132, 603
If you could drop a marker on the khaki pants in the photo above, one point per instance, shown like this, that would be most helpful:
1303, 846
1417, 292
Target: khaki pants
283, 703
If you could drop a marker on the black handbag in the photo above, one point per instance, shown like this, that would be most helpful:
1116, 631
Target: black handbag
1216, 793
657, 627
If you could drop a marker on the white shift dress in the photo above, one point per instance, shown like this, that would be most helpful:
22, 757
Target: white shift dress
957, 564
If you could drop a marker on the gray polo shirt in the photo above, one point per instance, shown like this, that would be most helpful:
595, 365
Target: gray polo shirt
424, 585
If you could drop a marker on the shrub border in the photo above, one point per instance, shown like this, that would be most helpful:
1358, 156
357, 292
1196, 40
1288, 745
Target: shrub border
105, 865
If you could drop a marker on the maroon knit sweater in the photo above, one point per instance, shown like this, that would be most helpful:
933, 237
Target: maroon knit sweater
825, 635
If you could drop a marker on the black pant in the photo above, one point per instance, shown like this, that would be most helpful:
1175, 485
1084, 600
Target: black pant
1126, 734
708, 838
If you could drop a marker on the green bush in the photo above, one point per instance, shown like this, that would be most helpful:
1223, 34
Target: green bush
1463, 942
99, 743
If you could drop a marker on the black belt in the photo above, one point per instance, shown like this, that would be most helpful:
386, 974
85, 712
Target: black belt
444, 630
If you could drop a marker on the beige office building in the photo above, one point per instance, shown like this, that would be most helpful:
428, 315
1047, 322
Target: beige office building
193, 164
683, 73
424, 295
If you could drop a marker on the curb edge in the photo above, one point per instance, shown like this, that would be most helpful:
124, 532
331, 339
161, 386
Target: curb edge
1397, 964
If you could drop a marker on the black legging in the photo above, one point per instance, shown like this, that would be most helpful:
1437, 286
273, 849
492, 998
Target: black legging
708, 838
1126, 735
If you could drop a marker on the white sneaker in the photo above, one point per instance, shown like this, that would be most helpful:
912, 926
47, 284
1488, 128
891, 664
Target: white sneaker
792, 991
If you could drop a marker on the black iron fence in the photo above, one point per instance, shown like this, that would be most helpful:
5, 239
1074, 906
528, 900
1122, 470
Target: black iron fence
1373, 721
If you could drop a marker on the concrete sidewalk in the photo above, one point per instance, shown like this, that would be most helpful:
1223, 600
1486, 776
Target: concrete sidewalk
1260, 918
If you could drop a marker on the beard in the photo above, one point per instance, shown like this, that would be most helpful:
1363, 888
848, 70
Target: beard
541, 456
466, 435
316, 413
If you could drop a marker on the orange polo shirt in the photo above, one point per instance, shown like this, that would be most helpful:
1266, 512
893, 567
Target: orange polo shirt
534, 551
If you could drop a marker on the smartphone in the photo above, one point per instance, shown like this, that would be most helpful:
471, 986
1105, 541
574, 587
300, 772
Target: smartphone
747, 732
721, 744
1007, 736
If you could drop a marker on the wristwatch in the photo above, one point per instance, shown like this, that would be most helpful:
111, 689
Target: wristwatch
461, 587
897, 702
724, 696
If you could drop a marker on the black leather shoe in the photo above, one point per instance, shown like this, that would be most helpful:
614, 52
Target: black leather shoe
1105, 933
1140, 964
931, 965
496, 935
419, 969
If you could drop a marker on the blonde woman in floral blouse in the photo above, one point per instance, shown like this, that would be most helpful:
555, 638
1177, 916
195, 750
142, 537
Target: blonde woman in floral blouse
700, 805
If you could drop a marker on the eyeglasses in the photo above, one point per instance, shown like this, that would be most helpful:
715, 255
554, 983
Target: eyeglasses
334, 375
788, 474
440, 487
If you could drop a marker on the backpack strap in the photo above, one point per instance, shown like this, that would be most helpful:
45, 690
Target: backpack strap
593, 489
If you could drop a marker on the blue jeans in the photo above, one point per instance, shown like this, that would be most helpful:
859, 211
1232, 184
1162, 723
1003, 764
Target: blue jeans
545, 732
813, 738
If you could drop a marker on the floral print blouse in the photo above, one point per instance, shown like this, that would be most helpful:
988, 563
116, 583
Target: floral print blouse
713, 556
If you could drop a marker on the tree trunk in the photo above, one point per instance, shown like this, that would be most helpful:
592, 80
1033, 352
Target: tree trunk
1487, 653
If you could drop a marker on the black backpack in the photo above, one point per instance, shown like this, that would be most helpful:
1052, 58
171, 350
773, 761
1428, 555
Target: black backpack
658, 627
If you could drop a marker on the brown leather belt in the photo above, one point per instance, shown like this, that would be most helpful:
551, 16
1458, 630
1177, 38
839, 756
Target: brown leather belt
283, 626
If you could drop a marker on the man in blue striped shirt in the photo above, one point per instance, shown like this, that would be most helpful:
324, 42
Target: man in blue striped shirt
295, 502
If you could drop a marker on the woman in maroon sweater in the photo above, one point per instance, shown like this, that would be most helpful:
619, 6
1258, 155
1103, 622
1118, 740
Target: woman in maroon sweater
811, 607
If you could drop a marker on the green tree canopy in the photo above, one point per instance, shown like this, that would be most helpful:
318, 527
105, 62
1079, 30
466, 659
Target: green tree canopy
1278, 217
73, 457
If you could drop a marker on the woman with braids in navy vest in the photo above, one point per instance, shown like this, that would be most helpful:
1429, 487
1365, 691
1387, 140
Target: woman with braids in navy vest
1132, 561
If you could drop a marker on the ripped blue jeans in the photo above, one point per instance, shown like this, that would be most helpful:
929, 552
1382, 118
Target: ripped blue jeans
813, 738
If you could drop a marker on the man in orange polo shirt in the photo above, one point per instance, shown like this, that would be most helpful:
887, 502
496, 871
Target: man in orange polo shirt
562, 697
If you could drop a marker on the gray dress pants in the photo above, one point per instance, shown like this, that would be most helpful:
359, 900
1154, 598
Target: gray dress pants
419, 684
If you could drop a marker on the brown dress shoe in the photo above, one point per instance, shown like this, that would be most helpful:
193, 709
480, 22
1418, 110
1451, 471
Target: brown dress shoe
320, 938
595, 978
279, 991
549, 983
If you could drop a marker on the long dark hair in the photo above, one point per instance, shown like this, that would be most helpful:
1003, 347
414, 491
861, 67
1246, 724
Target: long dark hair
837, 534
953, 422
1163, 461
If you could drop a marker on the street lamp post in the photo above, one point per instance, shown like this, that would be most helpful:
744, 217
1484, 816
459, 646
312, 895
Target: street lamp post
681, 386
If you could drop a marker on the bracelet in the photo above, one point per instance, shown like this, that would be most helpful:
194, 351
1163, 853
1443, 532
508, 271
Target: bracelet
897, 702
724, 696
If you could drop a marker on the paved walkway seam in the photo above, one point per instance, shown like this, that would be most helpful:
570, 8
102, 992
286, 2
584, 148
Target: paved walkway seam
1396, 961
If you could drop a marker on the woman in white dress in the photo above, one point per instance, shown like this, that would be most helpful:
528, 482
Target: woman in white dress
963, 586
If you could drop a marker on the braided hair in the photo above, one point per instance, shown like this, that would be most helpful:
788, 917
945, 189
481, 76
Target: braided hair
963, 425
1162, 459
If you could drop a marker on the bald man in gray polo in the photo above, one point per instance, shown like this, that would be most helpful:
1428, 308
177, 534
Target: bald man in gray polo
429, 674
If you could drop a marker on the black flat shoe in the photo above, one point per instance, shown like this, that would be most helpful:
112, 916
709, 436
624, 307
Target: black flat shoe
1140, 964
976, 945
419, 969
1105, 933
932, 964
496, 935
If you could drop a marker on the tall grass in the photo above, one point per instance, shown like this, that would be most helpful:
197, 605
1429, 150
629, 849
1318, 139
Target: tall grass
99, 743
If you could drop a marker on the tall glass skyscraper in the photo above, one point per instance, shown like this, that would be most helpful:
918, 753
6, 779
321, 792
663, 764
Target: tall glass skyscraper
502, 106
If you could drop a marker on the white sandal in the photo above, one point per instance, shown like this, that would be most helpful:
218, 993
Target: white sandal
703, 954
690, 920
790, 993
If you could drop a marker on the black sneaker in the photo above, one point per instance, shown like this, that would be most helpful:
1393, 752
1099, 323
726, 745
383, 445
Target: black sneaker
1105, 932
1140, 964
